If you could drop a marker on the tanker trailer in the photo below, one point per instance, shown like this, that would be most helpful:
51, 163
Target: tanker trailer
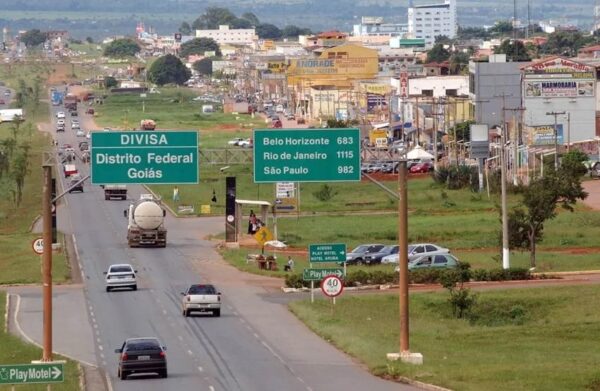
146, 223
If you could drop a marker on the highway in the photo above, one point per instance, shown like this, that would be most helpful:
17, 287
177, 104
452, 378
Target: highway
256, 344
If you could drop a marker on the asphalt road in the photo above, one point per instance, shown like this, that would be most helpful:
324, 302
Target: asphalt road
256, 344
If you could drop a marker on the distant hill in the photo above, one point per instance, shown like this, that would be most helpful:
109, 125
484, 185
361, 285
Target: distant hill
116, 17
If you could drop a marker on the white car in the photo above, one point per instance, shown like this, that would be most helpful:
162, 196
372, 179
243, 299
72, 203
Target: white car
80, 133
416, 251
74, 125
247, 143
120, 275
60, 122
235, 141
60, 114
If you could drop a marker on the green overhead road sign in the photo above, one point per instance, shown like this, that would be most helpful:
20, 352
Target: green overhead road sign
319, 274
327, 252
51, 372
306, 155
144, 157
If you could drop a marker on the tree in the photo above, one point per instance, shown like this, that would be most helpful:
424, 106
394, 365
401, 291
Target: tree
185, 28
541, 199
502, 27
268, 31
293, 31
19, 169
458, 63
33, 37
566, 43
438, 54
110, 82
89, 40
204, 66
199, 46
212, 18
124, 47
443, 39
514, 50
250, 17
168, 69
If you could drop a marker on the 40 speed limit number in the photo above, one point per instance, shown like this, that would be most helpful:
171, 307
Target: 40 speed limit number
332, 286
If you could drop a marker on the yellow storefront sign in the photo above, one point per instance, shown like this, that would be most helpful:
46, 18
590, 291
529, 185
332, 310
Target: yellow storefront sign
378, 89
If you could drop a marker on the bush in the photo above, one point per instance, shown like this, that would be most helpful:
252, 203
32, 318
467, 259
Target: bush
356, 278
518, 273
480, 275
325, 193
424, 276
294, 281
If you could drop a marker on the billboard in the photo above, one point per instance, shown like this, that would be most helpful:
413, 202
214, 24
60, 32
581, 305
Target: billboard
544, 135
559, 89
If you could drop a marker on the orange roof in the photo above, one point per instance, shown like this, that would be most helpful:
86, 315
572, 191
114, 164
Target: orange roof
331, 34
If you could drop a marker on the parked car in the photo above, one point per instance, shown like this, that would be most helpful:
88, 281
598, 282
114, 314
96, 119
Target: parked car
74, 113
416, 251
75, 124
121, 275
277, 124
424, 167
444, 261
300, 121
376, 257
90, 110
60, 128
80, 133
84, 145
60, 122
142, 355
290, 116
358, 254
235, 141
60, 114
247, 143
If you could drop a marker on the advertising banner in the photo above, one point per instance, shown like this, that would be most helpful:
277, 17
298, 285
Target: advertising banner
544, 135
558, 88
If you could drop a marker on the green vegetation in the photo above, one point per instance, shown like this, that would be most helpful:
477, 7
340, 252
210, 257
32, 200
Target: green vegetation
199, 46
15, 351
124, 47
168, 70
535, 339
173, 108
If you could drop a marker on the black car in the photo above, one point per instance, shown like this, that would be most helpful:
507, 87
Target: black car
357, 256
75, 184
142, 355
376, 257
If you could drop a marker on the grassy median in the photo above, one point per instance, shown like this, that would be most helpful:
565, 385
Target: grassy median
520, 339
15, 351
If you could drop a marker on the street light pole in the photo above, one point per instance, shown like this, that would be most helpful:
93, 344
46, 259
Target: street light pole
555, 114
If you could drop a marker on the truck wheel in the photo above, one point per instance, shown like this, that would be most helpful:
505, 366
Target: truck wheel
124, 198
217, 313
163, 374
106, 197
134, 287
122, 375
186, 313
108, 289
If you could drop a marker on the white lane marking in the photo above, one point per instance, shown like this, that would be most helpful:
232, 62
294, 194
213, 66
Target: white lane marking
272, 351
100, 347
98, 340
242, 320
180, 337
108, 382
92, 315
164, 312
102, 355
190, 353
256, 336
200, 369
211, 388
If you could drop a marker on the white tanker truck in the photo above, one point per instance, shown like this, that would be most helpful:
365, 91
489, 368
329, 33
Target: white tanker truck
145, 225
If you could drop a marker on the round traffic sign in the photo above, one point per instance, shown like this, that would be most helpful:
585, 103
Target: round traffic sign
230, 218
38, 246
332, 285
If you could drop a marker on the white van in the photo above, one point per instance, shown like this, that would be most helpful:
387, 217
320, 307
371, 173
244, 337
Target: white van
208, 109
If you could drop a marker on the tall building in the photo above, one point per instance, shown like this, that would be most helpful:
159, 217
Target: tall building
430, 20
375, 26
225, 35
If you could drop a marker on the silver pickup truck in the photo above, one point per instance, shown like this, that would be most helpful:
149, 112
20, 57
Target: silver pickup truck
201, 298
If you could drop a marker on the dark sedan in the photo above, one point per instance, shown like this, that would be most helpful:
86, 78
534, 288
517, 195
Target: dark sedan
142, 355
375, 258
357, 256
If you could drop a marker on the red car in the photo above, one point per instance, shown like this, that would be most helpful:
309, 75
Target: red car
2, 102
276, 124
422, 167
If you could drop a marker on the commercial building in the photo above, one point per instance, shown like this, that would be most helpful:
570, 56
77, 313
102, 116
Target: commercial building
225, 35
375, 26
566, 88
494, 86
431, 20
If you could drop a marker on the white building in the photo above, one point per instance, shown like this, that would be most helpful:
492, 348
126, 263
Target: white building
225, 35
429, 21
436, 86
375, 26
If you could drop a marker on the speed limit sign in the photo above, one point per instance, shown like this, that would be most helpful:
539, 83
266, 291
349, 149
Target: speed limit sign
332, 286
38, 246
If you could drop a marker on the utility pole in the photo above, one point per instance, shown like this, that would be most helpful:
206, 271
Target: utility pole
516, 126
503, 141
555, 114
47, 261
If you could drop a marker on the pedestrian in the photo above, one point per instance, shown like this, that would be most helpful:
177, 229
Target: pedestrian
176, 194
289, 266
252, 223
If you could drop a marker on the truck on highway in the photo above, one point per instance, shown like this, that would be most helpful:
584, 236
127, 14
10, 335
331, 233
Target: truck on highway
201, 298
115, 191
57, 98
147, 124
70, 101
145, 222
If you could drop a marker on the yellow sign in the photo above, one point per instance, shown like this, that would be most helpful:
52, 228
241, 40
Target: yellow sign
276, 67
263, 235
377, 135
378, 89
205, 209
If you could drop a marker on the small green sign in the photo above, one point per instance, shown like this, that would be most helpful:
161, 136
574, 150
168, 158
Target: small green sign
306, 155
335, 252
51, 372
144, 157
319, 274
